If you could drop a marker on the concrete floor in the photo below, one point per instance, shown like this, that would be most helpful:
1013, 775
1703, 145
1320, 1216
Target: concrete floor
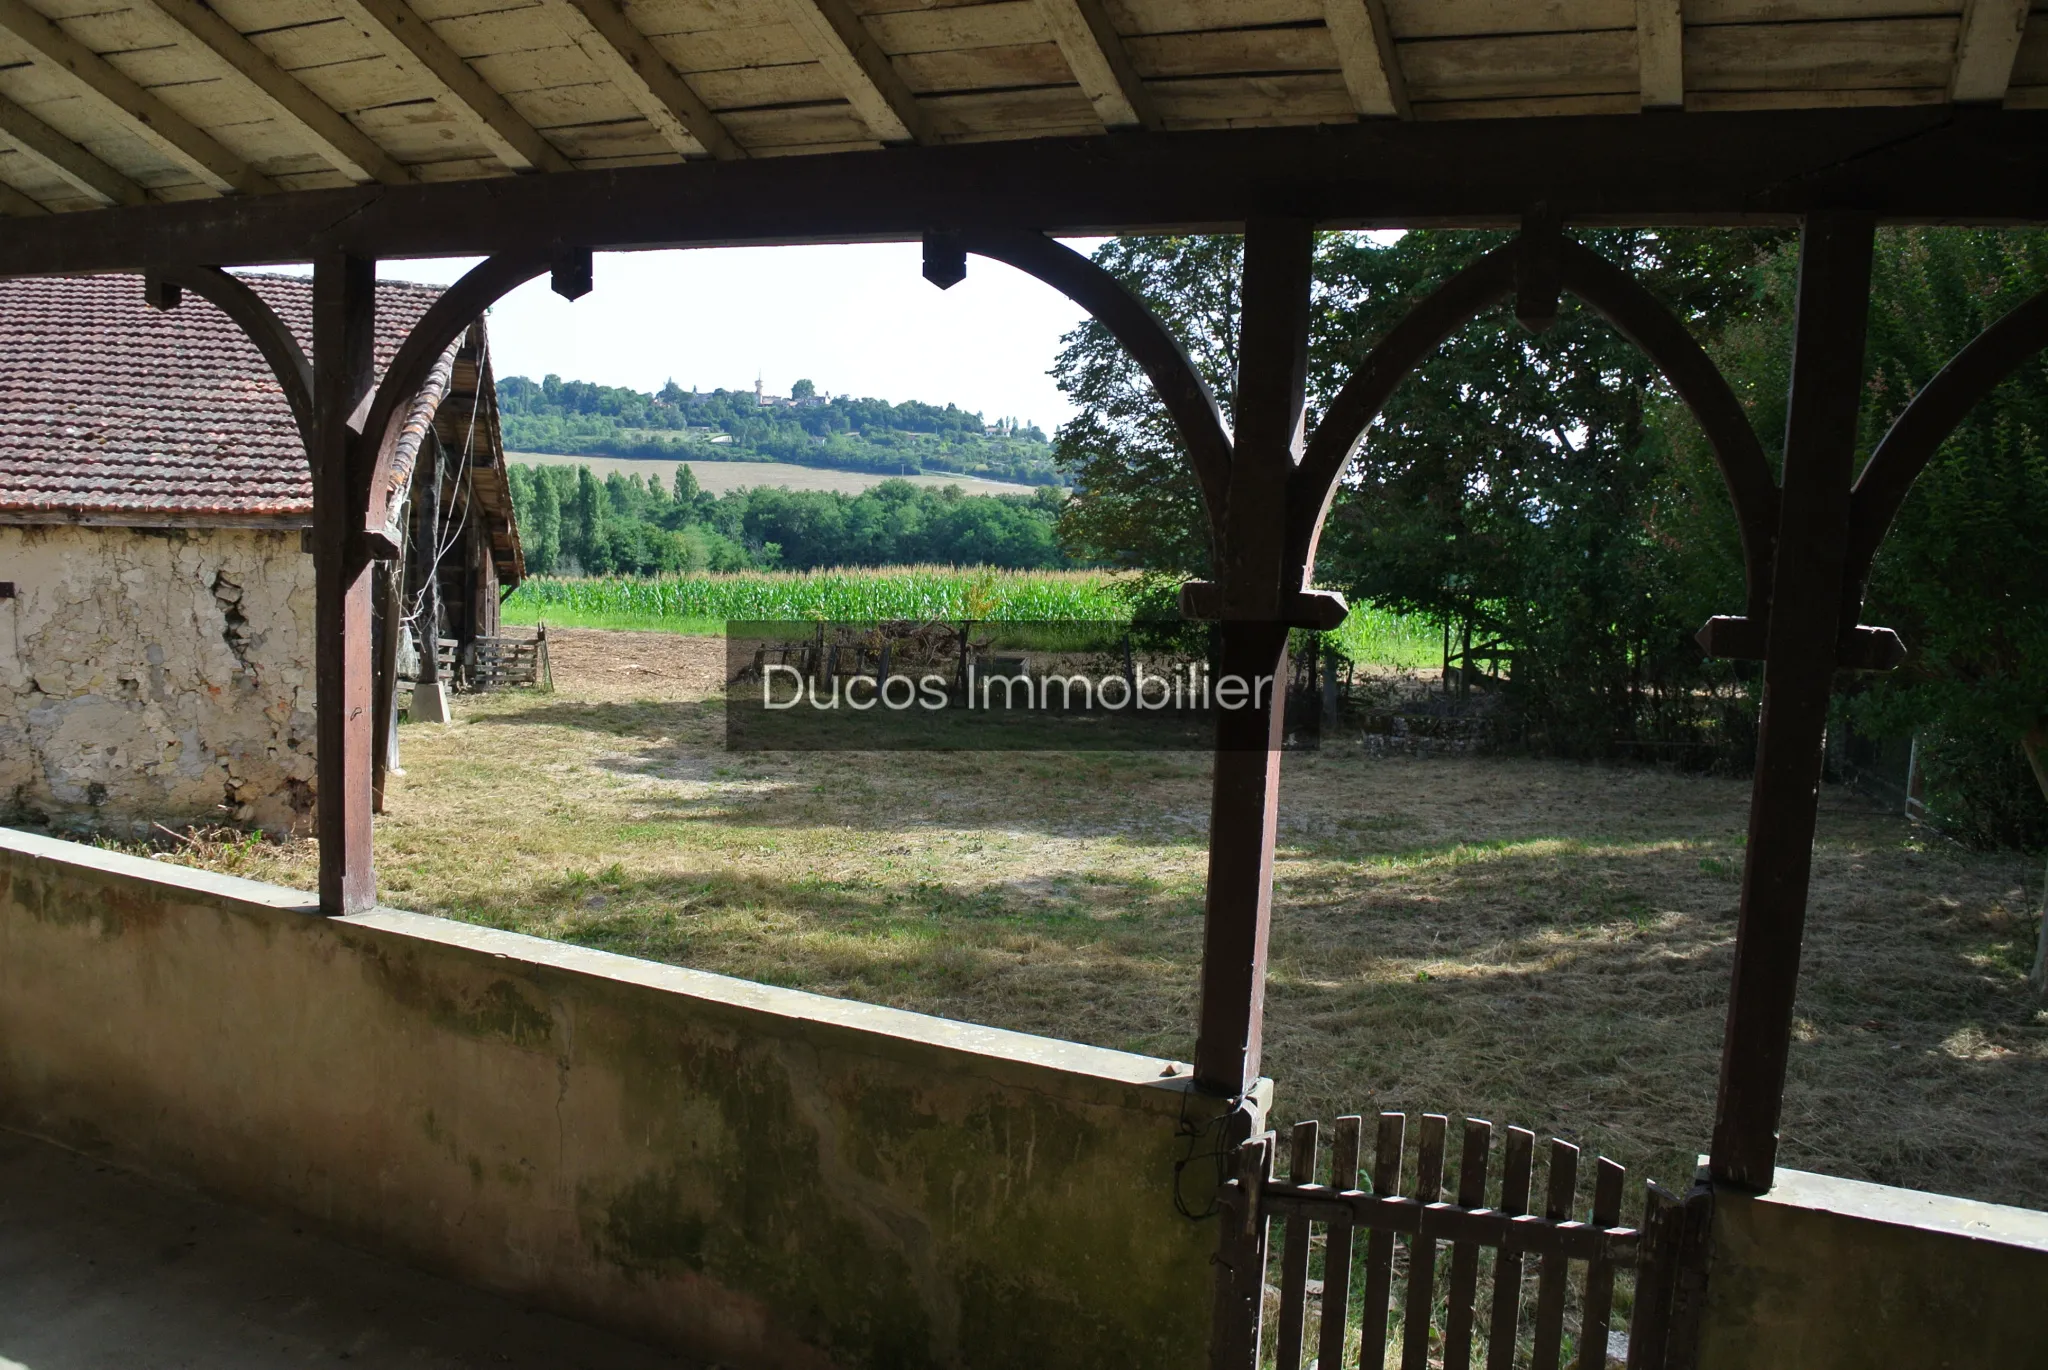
100, 1269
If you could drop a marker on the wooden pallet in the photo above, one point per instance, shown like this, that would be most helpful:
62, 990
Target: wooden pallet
498, 663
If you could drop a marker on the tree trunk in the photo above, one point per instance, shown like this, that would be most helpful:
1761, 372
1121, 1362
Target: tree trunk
2032, 744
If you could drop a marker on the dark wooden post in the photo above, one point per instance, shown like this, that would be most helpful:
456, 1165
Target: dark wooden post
1256, 586
344, 322
1802, 645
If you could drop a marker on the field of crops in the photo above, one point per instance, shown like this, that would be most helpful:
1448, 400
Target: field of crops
705, 603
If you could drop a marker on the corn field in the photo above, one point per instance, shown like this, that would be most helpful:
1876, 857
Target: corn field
705, 603
910, 592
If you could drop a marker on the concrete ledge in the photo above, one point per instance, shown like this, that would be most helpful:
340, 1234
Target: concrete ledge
754, 1175
1831, 1274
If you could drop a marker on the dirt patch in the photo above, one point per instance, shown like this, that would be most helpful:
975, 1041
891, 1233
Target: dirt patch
593, 664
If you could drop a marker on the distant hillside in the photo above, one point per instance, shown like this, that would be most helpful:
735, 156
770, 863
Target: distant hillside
577, 418
719, 477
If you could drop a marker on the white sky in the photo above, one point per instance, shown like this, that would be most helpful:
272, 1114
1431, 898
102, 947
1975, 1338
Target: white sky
856, 320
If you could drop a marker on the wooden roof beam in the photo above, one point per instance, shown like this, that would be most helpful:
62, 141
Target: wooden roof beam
347, 148
1095, 53
1917, 164
407, 39
15, 205
610, 39
138, 110
847, 50
41, 143
1986, 45
1365, 50
1660, 53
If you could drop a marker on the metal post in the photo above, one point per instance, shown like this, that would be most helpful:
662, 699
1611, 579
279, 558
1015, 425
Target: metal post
344, 324
1801, 649
1252, 576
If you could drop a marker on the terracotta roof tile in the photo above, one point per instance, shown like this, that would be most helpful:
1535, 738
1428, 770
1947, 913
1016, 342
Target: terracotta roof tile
111, 408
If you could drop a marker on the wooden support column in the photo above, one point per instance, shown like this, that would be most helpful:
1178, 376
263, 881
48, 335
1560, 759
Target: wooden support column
1256, 586
344, 320
1802, 648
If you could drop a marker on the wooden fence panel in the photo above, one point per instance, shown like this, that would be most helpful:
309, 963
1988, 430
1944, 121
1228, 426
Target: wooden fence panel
1379, 1244
1666, 1255
1337, 1248
1550, 1279
1429, 1189
1464, 1287
1507, 1267
1301, 1170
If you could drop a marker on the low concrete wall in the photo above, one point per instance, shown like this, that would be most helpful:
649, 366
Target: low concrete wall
1829, 1274
759, 1176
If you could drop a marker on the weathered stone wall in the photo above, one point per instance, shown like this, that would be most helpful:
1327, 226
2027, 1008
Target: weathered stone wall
156, 674
759, 1177
1830, 1274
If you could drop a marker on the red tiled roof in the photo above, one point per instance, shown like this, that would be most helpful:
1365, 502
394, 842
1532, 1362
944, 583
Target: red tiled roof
113, 411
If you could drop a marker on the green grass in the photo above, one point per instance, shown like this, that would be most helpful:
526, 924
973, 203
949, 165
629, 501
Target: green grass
702, 605
1380, 637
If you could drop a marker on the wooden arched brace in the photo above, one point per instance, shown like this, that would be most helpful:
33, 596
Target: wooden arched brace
273, 337
459, 307
1421, 331
1637, 315
1918, 433
1151, 344
1634, 313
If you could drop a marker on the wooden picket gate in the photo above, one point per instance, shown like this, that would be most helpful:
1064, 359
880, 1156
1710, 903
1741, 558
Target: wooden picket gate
1665, 1257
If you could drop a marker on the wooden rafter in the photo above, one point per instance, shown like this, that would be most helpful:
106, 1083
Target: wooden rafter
1986, 45
140, 111
406, 37
1660, 53
1365, 50
847, 50
41, 143
341, 143
16, 205
610, 39
1094, 50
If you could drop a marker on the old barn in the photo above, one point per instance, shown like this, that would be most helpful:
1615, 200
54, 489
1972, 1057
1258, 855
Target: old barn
156, 586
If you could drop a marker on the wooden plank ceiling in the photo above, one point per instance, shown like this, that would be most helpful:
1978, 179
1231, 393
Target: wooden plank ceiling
106, 102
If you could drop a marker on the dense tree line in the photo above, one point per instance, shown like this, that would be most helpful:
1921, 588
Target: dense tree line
575, 418
573, 523
1549, 493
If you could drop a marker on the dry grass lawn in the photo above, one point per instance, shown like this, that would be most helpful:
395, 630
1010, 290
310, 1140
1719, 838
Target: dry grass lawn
1533, 941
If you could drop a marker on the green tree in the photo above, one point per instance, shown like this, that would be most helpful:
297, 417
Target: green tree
591, 550
543, 526
1137, 506
1963, 575
1512, 484
803, 390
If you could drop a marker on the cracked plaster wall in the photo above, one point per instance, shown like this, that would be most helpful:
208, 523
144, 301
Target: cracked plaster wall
156, 675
